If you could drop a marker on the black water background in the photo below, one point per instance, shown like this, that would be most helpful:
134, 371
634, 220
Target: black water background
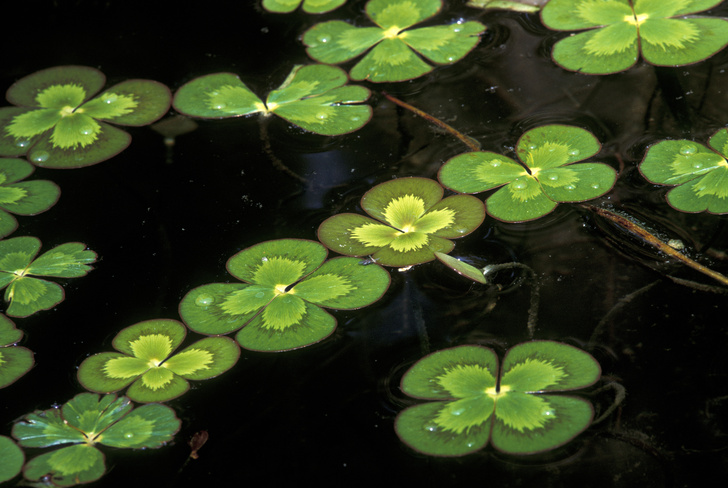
325, 413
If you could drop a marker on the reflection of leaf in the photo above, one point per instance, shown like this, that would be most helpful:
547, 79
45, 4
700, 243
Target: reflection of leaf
147, 364
287, 284
545, 176
315, 98
699, 173
87, 420
392, 57
309, 6
619, 30
474, 402
22, 197
59, 125
28, 295
14, 361
413, 223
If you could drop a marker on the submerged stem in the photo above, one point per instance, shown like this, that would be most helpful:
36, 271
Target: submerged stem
468, 141
535, 291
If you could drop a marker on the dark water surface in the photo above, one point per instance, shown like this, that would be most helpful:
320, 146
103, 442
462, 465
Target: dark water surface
324, 414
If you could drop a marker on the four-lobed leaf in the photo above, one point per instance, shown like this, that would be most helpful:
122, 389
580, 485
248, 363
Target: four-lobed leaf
699, 173
84, 421
546, 175
146, 362
514, 408
15, 361
18, 265
287, 283
314, 97
58, 124
393, 44
309, 6
617, 31
22, 197
413, 222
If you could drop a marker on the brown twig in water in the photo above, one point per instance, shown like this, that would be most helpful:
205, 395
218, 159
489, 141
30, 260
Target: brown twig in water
632, 227
468, 141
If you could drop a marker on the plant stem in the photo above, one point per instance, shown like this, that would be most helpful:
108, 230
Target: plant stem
472, 144
634, 228
535, 291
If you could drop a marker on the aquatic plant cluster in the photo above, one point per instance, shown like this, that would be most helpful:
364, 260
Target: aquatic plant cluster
63, 117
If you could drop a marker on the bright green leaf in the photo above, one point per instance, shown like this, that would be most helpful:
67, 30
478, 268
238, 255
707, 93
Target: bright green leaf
413, 223
474, 405
67, 466
546, 176
620, 29
394, 47
58, 125
279, 306
699, 173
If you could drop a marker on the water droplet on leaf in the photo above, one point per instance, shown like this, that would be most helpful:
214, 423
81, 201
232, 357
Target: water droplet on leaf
569, 187
573, 152
204, 300
495, 163
553, 177
39, 156
22, 143
520, 185
323, 39
687, 150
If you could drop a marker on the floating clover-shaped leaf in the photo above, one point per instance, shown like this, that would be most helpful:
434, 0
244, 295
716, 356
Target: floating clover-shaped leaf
474, 403
545, 176
286, 286
14, 361
58, 125
392, 58
309, 6
413, 222
699, 173
12, 459
84, 421
28, 295
620, 29
145, 361
315, 98
22, 197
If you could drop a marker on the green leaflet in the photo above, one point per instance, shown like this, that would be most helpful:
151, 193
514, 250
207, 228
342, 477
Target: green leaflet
620, 30
13, 459
85, 421
22, 197
15, 361
545, 176
147, 363
309, 6
699, 173
58, 124
279, 305
314, 97
474, 403
413, 223
28, 295
393, 45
